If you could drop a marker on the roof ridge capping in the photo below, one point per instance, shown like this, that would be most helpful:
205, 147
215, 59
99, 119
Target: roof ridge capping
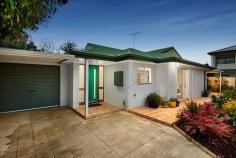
97, 45
165, 50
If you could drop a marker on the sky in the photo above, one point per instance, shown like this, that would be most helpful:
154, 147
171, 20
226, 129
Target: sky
193, 27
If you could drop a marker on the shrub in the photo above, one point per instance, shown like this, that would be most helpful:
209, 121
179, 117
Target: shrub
205, 124
153, 100
225, 87
164, 102
204, 93
219, 101
192, 106
230, 110
231, 94
230, 106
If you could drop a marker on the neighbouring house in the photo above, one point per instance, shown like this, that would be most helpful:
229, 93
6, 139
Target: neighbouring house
223, 60
96, 74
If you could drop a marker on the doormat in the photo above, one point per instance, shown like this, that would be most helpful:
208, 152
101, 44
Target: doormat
94, 104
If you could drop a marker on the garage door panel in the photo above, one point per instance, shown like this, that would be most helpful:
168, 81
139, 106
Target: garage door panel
28, 86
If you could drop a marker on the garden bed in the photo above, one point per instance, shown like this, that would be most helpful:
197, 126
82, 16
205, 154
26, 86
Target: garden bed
223, 150
210, 125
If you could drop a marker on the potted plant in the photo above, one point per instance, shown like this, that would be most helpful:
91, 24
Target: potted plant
164, 103
153, 100
173, 102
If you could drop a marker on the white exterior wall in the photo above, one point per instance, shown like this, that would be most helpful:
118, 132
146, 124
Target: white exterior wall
63, 84
70, 85
213, 60
113, 94
166, 79
73, 85
138, 93
196, 83
164, 82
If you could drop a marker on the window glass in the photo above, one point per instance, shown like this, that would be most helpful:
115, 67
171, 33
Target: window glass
220, 61
101, 76
229, 60
81, 76
144, 75
225, 59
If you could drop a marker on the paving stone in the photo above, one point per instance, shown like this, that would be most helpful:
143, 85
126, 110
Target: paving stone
26, 151
61, 133
44, 151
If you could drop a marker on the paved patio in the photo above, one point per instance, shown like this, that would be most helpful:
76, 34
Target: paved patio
96, 111
166, 116
61, 133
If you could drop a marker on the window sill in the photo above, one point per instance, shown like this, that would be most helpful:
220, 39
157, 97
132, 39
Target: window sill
143, 83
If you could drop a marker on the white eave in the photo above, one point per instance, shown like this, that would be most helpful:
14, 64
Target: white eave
34, 57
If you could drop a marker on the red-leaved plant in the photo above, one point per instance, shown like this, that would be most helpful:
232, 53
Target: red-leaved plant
204, 123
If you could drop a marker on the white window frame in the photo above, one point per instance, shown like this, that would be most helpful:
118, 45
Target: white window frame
149, 75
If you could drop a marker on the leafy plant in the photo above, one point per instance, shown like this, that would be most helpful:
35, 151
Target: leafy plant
164, 102
230, 110
231, 94
19, 16
204, 93
205, 124
153, 100
225, 87
219, 101
230, 106
192, 106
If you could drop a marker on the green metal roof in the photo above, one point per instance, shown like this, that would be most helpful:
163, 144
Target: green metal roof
227, 49
169, 54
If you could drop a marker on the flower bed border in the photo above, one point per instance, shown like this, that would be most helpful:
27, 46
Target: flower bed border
203, 148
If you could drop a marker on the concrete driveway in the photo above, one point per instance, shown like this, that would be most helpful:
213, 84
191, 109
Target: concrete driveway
60, 132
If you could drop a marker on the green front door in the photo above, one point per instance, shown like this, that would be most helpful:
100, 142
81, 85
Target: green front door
93, 83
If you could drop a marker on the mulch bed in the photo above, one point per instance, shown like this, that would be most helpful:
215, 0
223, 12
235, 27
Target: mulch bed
223, 150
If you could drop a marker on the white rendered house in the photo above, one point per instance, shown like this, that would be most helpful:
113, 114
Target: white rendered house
97, 74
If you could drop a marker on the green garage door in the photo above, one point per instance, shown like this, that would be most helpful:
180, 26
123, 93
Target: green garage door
24, 86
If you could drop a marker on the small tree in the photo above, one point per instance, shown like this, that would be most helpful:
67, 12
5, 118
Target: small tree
23, 41
47, 46
17, 16
68, 46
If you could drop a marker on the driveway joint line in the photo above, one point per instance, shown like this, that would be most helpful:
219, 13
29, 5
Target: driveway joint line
48, 139
32, 132
104, 143
18, 129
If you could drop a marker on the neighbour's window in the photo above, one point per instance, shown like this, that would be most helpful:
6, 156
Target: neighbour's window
144, 75
230, 59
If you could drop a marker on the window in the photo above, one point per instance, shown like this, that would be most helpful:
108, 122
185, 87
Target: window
230, 59
144, 75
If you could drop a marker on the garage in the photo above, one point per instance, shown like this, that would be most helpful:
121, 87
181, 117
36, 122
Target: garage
25, 86
29, 80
